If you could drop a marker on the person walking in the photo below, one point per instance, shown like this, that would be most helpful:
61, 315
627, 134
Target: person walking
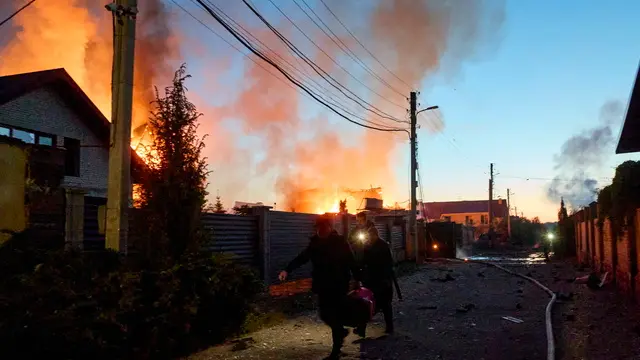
378, 277
333, 266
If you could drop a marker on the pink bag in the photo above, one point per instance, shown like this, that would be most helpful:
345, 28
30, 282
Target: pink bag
361, 306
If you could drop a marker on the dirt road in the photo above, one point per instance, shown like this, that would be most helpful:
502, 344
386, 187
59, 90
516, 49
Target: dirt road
450, 311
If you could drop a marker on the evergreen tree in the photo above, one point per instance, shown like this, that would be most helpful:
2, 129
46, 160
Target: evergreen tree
173, 189
218, 208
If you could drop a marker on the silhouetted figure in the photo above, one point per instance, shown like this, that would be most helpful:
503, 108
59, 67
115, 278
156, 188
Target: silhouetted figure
358, 236
377, 275
333, 264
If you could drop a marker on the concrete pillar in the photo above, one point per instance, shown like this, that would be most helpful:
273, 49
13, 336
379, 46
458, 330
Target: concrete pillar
264, 241
74, 219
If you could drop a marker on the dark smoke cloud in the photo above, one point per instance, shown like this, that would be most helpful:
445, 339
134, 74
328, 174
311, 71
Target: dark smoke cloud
580, 156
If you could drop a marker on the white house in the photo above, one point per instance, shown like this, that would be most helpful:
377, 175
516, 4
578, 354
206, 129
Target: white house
48, 108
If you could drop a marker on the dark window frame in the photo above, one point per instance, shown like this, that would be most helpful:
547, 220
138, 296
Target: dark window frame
36, 135
72, 157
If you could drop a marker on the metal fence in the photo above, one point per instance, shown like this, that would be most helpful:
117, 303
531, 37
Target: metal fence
236, 235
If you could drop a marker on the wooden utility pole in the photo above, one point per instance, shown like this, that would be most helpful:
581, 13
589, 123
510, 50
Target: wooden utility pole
119, 180
413, 224
509, 213
490, 204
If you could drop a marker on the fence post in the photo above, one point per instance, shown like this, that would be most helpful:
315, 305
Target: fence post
264, 240
74, 218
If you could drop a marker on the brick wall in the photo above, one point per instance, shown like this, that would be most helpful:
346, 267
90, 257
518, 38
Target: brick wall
605, 251
43, 110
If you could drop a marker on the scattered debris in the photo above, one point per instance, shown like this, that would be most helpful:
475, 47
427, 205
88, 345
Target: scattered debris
242, 344
564, 296
520, 282
518, 306
427, 307
519, 291
481, 274
512, 319
570, 317
592, 280
446, 278
465, 308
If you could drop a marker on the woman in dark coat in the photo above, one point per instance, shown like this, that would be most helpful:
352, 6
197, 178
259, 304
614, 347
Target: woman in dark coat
378, 277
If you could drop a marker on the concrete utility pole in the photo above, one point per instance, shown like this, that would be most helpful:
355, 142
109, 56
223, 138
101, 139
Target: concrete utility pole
508, 213
119, 180
413, 224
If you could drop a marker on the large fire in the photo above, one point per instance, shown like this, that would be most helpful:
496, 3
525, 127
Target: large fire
309, 164
77, 35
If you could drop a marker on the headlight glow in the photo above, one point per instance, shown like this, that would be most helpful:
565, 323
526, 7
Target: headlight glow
435, 246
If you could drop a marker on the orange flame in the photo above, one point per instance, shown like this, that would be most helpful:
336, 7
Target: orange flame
77, 35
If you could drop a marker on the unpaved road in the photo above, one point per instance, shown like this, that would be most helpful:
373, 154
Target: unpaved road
450, 311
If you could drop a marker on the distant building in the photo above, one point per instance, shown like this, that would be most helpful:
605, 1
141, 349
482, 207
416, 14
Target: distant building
239, 204
473, 212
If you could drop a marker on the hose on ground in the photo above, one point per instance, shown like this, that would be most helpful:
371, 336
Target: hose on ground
551, 349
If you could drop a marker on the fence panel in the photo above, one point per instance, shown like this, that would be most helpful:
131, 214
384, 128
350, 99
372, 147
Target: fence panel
236, 235
289, 235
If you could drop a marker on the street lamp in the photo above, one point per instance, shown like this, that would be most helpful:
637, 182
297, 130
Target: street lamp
427, 109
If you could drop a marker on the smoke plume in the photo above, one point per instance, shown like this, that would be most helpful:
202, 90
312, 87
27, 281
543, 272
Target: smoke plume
582, 155
77, 35
267, 142
320, 161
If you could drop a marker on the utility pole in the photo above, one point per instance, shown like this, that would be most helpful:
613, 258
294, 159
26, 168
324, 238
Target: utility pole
490, 201
508, 213
413, 225
119, 180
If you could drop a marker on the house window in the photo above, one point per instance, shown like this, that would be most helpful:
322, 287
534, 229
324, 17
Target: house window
72, 157
45, 140
29, 137
26, 136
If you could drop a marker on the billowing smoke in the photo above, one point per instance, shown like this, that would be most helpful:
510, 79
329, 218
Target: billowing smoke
279, 142
77, 35
581, 156
321, 160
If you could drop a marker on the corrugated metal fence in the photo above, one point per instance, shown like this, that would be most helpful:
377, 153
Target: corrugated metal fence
241, 236
236, 235
289, 234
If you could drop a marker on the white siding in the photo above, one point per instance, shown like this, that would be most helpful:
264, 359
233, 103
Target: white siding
43, 110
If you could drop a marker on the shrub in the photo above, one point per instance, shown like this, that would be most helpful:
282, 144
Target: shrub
79, 306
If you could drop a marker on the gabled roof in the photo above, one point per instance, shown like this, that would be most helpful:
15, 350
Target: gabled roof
629, 140
434, 210
14, 86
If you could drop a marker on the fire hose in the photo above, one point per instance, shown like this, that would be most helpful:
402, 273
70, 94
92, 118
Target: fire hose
551, 349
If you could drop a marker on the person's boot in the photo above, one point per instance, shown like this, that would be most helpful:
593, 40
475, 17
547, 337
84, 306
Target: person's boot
361, 331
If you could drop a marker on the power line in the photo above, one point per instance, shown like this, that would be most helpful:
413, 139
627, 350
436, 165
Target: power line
16, 12
362, 45
250, 58
324, 93
550, 179
344, 47
258, 53
322, 50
